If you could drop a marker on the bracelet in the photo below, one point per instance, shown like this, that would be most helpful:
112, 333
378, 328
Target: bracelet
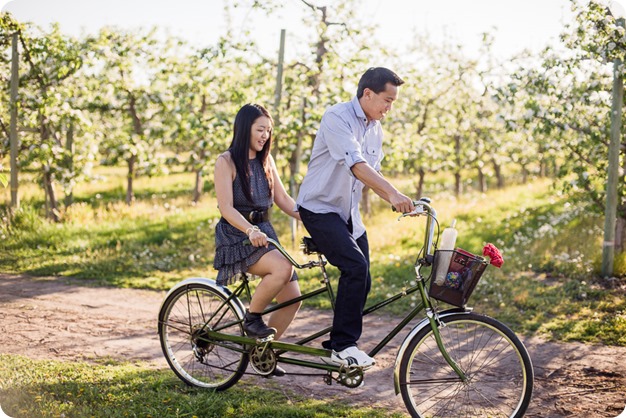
252, 229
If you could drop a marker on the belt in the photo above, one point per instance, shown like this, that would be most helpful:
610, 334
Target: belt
256, 216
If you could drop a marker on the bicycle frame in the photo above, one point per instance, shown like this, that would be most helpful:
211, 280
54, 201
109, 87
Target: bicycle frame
243, 289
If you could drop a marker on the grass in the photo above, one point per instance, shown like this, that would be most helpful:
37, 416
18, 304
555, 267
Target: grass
152, 244
548, 286
39, 388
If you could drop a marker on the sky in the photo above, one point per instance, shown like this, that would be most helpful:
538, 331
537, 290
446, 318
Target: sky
517, 25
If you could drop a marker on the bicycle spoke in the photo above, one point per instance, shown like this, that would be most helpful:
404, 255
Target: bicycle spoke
184, 321
497, 377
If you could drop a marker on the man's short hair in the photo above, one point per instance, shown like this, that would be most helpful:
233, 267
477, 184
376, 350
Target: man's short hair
376, 79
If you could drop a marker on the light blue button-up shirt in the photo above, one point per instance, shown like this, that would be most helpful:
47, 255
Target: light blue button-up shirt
344, 139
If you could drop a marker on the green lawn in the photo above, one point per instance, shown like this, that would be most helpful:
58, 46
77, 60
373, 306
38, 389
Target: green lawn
548, 285
37, 388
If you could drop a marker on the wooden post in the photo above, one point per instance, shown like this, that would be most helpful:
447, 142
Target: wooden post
15, 80
69, 146
279, 87
608, 246
297, 159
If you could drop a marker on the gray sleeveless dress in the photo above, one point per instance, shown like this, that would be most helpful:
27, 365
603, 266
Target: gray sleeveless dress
232, 258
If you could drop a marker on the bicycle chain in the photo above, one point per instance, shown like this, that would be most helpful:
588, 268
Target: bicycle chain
264, 364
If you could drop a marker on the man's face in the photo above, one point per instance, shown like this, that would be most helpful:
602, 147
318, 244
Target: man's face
376, 105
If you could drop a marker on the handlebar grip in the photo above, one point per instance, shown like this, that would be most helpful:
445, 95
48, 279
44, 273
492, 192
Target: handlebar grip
415, 202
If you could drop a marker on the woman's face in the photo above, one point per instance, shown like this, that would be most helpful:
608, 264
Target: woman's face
259, 134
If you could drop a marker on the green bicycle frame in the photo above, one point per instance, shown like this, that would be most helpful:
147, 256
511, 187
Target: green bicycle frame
243, 289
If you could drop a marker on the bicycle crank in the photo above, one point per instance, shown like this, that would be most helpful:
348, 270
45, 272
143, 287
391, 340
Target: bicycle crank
262, 360
351, 377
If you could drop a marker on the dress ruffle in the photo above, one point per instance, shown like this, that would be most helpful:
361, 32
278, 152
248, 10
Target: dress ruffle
232, 258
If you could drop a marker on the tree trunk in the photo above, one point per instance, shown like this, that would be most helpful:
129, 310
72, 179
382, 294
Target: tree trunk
620, 234
294, 166
482, 181
130, 196
542, 168
52, 211
296, 155
69, 163
458, 187
524, 174
197, 190
419, 186
138, 129
497, 168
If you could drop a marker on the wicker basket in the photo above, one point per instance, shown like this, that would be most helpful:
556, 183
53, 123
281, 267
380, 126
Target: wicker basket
461, 277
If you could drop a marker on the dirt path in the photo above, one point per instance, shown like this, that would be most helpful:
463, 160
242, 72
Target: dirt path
56, 319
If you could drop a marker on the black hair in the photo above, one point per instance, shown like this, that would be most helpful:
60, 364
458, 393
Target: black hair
240, 146
376, 79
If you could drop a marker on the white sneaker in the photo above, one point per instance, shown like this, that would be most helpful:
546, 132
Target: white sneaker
352, 357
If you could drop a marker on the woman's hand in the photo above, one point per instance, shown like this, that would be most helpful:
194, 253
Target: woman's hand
257, 237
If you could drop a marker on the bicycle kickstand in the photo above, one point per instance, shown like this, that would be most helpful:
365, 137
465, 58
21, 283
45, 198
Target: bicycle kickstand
328, 378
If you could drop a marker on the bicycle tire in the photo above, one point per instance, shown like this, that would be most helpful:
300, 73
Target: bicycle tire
194, 358
498, 368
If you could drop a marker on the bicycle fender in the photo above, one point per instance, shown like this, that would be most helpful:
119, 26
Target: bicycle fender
421, 325
223, 290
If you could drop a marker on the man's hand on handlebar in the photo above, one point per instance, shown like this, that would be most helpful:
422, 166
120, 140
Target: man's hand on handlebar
418, 208
402, 203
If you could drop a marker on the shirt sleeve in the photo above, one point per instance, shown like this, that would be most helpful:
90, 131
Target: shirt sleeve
340, 140
377, 166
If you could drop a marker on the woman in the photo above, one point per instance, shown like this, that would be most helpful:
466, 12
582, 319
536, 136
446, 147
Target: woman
246, 184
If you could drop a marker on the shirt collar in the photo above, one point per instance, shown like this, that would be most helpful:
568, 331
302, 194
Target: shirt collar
358, 110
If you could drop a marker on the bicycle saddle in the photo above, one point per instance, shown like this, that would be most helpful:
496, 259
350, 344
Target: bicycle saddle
308, 246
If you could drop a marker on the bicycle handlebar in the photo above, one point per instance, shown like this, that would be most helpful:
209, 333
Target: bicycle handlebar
422, 207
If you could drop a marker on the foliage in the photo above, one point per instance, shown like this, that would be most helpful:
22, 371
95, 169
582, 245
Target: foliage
565, 104
150, 101
50, 110
38, 388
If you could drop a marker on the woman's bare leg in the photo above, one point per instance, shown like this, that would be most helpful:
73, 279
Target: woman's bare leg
275, 271
281, 318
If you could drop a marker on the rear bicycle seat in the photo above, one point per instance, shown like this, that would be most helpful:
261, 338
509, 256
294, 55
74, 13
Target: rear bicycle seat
308, 246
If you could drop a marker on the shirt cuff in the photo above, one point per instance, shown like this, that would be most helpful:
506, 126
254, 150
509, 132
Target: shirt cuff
352, 158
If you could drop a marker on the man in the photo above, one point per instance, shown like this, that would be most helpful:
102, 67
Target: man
346, 157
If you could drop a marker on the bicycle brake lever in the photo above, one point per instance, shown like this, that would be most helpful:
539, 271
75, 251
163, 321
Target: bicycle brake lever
419, 210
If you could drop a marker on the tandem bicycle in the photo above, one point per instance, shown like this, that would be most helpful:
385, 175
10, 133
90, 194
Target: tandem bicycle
452, 363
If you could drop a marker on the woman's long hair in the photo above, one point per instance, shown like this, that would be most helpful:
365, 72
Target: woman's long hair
240, 146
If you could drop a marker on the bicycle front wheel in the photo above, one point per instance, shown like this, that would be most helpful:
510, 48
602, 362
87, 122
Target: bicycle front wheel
199, 361
498, 370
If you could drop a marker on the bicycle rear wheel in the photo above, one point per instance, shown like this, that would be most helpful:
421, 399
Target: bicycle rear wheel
498, 369
183, 320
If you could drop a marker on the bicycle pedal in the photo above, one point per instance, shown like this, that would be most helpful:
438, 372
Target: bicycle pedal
265, 340
363, 368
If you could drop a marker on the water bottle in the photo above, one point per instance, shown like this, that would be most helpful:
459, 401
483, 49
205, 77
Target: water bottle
448, 240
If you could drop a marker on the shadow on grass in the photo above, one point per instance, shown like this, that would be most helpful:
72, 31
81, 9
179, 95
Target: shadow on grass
112, 252
118, 194
47, 388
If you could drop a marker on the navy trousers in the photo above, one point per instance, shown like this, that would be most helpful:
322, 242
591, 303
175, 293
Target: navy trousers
333, 237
